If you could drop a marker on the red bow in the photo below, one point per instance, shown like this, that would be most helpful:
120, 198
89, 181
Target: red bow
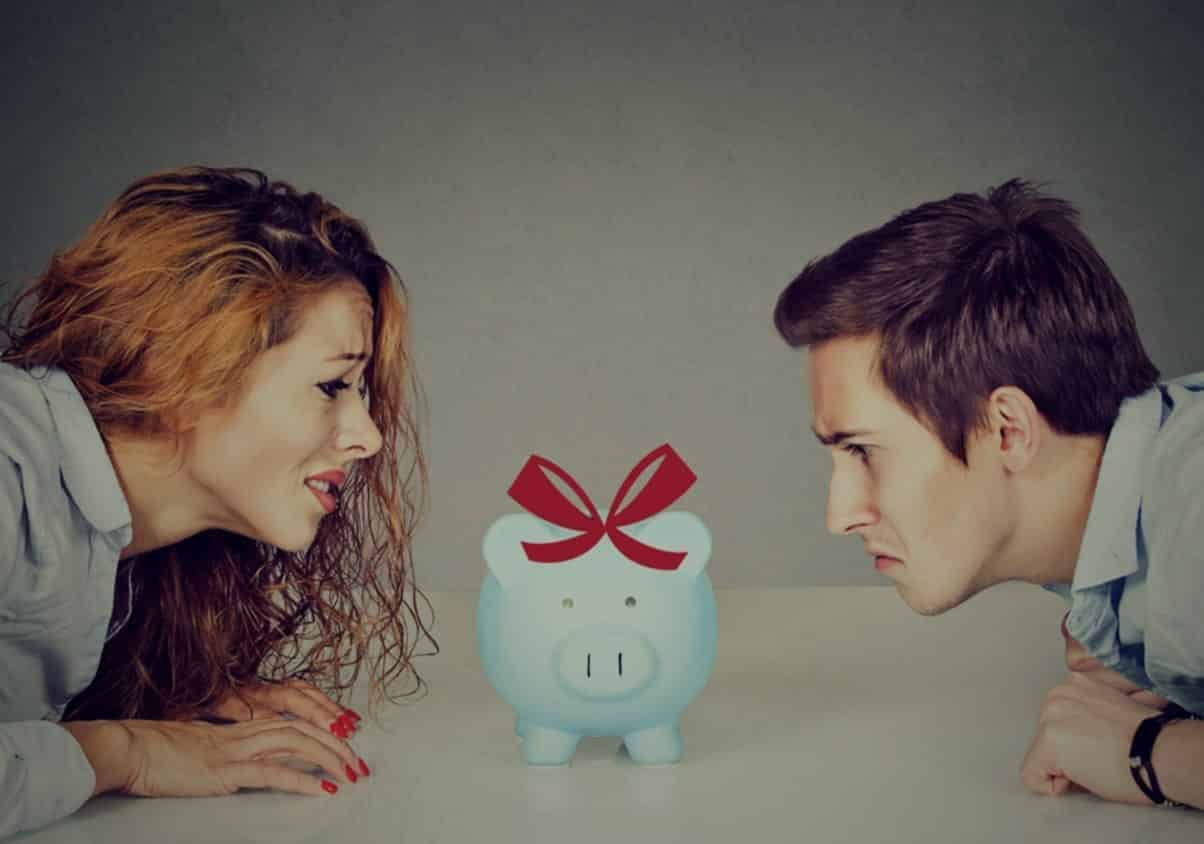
535, 492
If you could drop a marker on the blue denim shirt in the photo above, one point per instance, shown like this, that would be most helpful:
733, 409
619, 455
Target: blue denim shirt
1137, 599
63, 522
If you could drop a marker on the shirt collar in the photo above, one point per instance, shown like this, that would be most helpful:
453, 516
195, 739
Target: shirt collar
85, 464
1109, 547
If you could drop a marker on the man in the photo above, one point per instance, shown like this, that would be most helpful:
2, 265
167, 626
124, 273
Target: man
976, 371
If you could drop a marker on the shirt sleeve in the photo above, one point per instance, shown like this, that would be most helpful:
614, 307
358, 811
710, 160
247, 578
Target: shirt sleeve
44, 775
11, 507
1173, 524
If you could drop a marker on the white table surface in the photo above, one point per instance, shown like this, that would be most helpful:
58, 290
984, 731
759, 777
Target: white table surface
833, 714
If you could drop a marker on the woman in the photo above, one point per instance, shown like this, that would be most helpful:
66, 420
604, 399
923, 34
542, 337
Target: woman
204, 514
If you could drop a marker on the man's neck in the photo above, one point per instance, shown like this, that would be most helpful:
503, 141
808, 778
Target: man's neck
1056, 493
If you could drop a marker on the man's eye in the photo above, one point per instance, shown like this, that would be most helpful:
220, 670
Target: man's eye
859, 451
332, 388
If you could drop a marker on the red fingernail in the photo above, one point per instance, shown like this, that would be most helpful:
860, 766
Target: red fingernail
351, 775
348, 725
354, 715
364, 768
338, 730
329, 787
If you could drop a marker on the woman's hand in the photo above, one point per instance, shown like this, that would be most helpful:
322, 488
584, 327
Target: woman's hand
295, 697
196, 759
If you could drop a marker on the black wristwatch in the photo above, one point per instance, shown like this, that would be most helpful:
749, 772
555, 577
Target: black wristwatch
1142, 748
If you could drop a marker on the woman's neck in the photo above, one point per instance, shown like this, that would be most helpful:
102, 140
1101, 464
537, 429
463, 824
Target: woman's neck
166, 505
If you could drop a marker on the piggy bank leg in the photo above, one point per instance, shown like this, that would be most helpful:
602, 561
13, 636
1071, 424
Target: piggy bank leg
546, 746
659, 745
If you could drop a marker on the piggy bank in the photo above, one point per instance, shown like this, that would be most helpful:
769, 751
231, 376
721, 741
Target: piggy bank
598, 623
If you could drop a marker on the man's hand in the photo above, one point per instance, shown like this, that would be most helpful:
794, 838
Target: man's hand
1081, 662
1083, 738
1085, 728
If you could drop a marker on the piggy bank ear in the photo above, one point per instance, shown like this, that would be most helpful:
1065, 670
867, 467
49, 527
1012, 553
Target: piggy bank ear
502, 545
678, 531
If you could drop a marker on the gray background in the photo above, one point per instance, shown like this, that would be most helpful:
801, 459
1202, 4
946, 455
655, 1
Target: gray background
595, 208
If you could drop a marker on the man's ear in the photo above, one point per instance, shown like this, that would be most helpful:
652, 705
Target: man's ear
1017, 428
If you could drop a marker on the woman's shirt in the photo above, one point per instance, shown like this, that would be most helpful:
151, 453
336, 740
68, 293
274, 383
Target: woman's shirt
63, 523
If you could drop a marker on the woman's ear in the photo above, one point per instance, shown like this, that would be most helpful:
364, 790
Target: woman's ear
1017, 428
179, 423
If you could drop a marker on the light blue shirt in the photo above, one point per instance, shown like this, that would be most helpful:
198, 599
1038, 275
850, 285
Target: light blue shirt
63, 523
1137, 599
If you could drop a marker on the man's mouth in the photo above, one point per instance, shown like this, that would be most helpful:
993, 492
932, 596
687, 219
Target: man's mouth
883, 562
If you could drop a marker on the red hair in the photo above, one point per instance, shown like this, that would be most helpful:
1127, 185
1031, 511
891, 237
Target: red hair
157, 312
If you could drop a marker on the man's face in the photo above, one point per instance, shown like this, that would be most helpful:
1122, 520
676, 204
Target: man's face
933, 524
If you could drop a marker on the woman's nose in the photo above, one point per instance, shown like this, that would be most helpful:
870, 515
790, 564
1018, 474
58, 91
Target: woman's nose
360, 433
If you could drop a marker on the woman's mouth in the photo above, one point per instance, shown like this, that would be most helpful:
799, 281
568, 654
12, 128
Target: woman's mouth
326, 493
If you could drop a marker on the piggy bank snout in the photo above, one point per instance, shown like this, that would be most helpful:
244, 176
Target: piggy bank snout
600, 663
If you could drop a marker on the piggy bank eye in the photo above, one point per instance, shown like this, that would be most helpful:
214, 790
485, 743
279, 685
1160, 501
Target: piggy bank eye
567, 603
630, 601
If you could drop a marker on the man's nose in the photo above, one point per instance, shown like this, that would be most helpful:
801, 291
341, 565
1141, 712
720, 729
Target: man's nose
850, 505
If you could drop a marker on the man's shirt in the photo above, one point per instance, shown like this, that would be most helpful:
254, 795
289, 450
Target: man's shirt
1137, 600
63, 522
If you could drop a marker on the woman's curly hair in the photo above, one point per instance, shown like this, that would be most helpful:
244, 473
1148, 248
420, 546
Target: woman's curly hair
156, 313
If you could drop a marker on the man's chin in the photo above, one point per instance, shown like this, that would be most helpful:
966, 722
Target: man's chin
927, 605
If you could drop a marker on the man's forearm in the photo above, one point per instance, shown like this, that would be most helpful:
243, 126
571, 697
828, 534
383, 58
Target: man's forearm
1178, 760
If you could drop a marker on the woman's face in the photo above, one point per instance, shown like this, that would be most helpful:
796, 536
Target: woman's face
303, 413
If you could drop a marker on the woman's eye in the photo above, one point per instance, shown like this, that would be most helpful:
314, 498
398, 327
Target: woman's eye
332, 388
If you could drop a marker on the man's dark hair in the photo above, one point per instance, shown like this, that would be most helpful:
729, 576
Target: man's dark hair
971, 293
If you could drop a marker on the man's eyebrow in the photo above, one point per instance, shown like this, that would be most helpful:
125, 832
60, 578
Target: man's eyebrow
837, 437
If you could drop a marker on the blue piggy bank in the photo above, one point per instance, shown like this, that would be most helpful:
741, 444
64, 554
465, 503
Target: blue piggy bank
613, 641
